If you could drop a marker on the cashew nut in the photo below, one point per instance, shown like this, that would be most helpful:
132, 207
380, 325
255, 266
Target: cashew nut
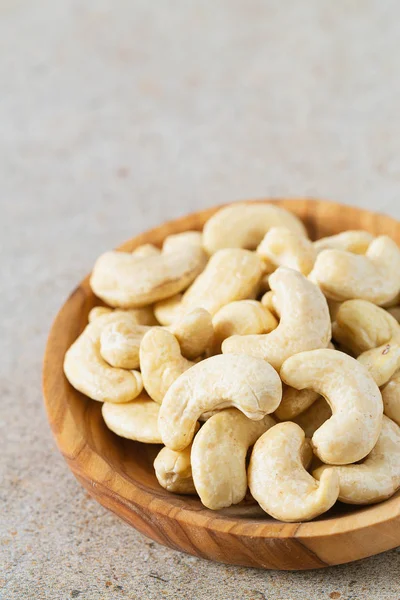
90, 374
124, 280
356, 403
146, 250
219, 457
381, 362
279, 481
305, 322
161, 362
355, 241
375, 277
231, 274
282, 247
180, 241
241, 318
174, 470
244, 225
294, 402
135, 420
269, 301
194, 332
311, 419
120, 343
141, 316
378, 477
241, 381
391, 398
361, 326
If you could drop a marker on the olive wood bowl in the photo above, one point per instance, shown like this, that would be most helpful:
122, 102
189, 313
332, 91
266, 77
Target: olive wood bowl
119, 473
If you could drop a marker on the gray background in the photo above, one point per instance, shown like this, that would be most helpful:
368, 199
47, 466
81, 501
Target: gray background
115, 116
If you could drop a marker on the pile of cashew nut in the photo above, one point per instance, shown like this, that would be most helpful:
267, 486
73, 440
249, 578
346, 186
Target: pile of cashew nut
263, 362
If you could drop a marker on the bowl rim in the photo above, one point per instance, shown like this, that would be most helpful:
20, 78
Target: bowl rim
76, 449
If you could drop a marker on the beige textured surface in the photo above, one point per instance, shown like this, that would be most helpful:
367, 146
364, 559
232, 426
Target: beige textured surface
115, 116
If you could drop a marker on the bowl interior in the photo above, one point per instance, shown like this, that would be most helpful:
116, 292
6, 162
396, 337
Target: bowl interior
85, 440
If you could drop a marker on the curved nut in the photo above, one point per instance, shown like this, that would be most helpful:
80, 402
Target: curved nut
120, 343
244, 382
382, 362
161, 362
294, 402
311, 419
135, 420
241, 318
174, 470
89, 373
375, 277
194, 332
355, 241
146, 250
243, 225
355, 400
140, 316
279, 481
361, 326
269, 301
168, 311
231, 274
282, 247
123, 280
378, 477
219, 456
391, 398
180, 241
305, 323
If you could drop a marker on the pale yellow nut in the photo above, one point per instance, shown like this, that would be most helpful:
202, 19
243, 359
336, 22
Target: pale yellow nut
356, 403
294, 402
146, 250
231, 274
90, 374
391, 398
136, 420
378, 476
243, 382
180, 241
168, 311
243, 225
311, 419
395, 312
194, 332
161, 362
141, 316
120, 343
219, 457
98, 311
242, 317
305, 322
356, 241
174, 470
280, 483
361, 326
282, 247
381, 362
374, 277
269, 301
123, 280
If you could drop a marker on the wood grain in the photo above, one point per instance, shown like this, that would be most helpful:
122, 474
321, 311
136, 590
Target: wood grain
119, 473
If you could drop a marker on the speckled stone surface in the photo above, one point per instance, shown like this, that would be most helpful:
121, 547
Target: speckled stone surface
115, 116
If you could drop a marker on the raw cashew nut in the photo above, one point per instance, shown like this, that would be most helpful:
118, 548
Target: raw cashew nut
282, 247
89, 373
311, 419
269, 301
244, 225
161, 362
174, 470
124, 280
391, 398
381, 362
361, 326
120, 343
231, 274
135, 420
305, 322
279, 481
141, 316
375, 277
294, 402
241, 381
194, 332
356, 403
241, 318
180, 241
146, 250
356, 241
378, 477
219, 456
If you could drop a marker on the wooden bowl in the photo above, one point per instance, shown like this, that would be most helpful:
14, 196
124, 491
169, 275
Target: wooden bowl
119, 473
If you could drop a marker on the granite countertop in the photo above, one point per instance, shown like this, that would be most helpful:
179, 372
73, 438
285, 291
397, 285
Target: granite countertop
114, 117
